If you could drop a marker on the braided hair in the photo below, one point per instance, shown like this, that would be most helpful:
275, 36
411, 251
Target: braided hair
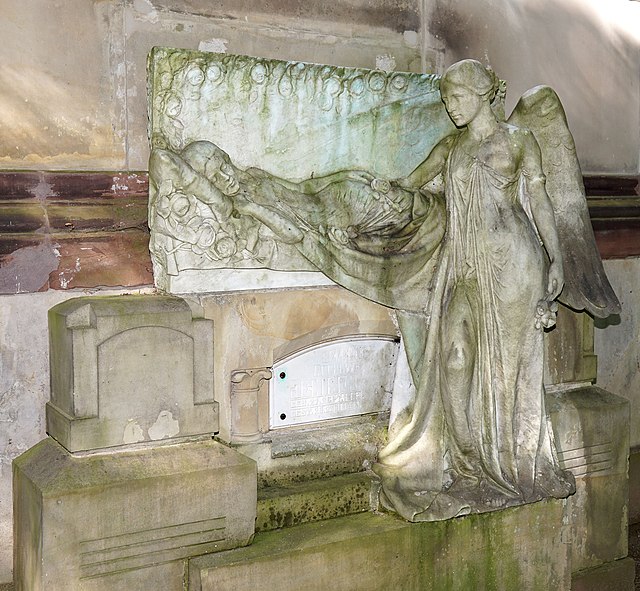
473, 76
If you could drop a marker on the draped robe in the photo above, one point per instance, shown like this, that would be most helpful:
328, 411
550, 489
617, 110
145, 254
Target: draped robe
466, 305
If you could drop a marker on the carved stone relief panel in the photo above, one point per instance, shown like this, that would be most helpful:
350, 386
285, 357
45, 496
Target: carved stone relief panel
215, 119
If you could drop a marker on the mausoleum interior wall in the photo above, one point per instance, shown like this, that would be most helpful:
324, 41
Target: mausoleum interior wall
74, 99
588, 51
74, 71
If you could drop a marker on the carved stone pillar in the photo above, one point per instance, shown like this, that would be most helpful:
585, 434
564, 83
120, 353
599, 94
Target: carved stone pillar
245, 404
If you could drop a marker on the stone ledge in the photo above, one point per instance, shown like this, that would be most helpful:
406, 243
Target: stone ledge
518, 548
313, 501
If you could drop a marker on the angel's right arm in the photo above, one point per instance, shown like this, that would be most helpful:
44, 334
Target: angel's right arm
429, 168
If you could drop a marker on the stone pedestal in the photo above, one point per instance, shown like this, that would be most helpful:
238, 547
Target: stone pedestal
126, 519
520, 548
130, 484
591, 427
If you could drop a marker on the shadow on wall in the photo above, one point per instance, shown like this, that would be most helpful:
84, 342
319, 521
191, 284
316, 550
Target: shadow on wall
587, 50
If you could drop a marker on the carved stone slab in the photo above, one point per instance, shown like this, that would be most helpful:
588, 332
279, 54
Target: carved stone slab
333, 380
293, 120
127, 369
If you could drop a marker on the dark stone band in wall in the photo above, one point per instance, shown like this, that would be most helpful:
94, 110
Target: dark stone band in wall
61, 230
65, 230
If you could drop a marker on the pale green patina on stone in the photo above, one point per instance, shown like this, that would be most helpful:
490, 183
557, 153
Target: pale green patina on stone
520, 548
283, 127
296, 120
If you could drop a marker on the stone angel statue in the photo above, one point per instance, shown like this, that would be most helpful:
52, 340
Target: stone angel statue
471, 249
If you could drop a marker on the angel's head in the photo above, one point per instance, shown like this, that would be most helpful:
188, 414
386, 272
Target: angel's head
465, 88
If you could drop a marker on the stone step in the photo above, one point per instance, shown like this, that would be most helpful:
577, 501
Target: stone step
517, 548
314, 500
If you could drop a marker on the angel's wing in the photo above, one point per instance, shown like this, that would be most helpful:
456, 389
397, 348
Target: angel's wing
586, 284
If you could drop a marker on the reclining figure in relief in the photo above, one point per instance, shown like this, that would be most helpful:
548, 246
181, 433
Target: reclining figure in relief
472, 249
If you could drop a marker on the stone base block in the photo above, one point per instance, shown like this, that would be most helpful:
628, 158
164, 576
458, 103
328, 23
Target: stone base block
127, 519
518, 548
613, 576
591, 428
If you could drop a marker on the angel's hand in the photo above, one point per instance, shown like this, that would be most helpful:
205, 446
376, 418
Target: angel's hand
555, 281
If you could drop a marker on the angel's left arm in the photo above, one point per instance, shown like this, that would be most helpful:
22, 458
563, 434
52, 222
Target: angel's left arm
542, 211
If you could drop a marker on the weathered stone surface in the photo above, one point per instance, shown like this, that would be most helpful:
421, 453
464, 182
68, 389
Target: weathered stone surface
617, 344
126, 519
294, 109
314, 500
299, 455
101, 258
612, 576
519, 548
129, 369
472, 318
345, 118
24, 391
345, 37
634, 486
399, 15
257, 328
569, 355
592, 437
66, 230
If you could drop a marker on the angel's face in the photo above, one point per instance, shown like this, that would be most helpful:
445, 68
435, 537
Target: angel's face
462, 104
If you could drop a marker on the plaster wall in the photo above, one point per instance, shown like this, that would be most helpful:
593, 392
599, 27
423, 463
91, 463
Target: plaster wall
62, 73
587, 50
74, 70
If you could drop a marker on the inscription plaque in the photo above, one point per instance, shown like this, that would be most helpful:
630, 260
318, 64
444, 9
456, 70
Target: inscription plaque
342, 378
